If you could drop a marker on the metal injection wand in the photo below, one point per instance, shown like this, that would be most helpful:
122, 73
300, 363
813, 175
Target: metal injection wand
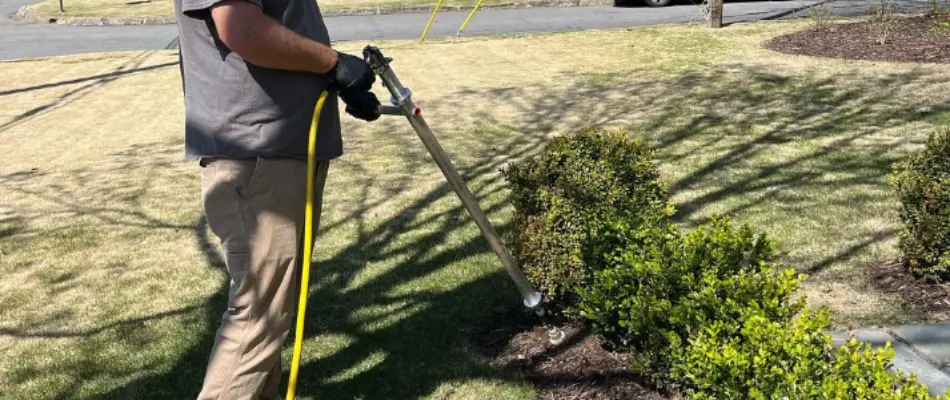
403, 105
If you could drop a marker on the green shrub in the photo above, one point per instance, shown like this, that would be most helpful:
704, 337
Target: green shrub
658, 289
923, 185
794, 360
710, 311
562, 195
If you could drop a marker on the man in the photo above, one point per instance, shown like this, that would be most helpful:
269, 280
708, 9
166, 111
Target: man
252, 71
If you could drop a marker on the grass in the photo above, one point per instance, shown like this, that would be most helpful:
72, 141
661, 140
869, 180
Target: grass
111, 285
104, 8
166, 8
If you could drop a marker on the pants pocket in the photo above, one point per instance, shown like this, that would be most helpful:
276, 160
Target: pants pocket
239, 300
254, 184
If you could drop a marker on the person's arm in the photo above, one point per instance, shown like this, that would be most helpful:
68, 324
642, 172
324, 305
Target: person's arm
262, 41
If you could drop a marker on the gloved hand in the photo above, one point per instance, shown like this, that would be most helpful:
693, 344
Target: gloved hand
351, 73
361, 104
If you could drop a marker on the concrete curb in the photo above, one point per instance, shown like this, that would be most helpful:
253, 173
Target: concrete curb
26, 14
931, 341
920, 357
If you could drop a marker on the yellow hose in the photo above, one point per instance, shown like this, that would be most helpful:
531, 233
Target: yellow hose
425, 33
307, 247
469, 19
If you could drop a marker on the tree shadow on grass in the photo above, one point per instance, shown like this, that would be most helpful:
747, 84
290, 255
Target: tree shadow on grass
132, 67
741, 140
424, 345
738, 136
89, 85
841, 118
421, 347
332, 307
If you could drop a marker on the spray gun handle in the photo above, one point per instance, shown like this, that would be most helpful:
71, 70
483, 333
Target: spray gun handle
401, 95
380, 65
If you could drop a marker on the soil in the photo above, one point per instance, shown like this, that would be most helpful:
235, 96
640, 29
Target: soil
580, 368
912, 40
924, 296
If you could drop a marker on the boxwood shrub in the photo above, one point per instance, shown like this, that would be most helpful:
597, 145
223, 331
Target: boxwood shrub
923, 186
710, 312
561, 195
714, 315
657, 292
768, 359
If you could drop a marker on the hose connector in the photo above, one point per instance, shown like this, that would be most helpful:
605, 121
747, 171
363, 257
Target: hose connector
556, 335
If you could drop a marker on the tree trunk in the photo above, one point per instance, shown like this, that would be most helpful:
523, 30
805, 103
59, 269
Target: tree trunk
61, 9
715, 13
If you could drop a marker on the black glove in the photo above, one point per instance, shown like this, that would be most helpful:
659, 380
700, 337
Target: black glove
361, 104
351, 73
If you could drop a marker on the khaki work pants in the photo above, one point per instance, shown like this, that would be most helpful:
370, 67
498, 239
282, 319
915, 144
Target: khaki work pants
256, 208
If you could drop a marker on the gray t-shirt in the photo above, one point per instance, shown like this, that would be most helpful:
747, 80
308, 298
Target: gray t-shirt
239, 110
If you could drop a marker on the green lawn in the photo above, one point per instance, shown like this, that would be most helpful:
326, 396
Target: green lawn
111, 285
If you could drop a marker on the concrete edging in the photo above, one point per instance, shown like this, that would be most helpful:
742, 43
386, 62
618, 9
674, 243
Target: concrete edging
920, 357
26, 14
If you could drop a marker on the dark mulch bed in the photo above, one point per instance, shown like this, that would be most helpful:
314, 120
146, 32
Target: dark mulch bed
912, 41
580, 368
928, 297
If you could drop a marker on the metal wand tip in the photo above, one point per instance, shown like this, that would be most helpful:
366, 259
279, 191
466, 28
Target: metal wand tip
556, 335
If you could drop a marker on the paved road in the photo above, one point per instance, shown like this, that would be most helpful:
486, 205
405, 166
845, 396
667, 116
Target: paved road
19, 39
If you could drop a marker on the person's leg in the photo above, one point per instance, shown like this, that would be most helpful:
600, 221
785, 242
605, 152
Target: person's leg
256, 208
272, 386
